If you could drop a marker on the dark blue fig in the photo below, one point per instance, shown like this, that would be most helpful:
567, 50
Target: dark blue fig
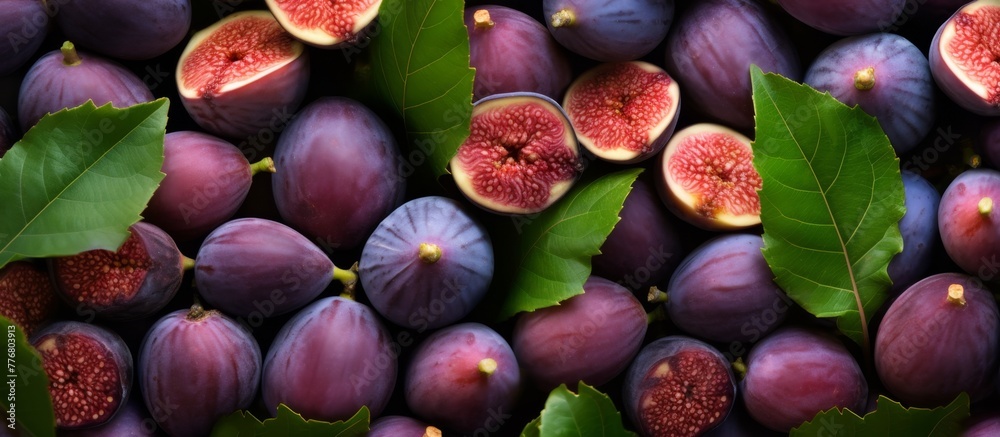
125, 29
919, 228
197, 366
609, 31
24, 25
427, 264
847, 17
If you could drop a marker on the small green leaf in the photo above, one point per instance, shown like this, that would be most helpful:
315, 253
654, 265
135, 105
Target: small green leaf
79, 179
288, 422
26, 387
546, 257
567, 414
831, 201
890, 418
419, 65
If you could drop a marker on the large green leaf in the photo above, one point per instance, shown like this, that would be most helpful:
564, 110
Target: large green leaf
587, 414
79, 179
419, 65
290, 423
831, 201
890, 419
545, 258
26, 387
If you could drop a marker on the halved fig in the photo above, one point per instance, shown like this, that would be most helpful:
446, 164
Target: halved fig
708, 178
324, 23
237, 76
623, 112
521, 155
963, 57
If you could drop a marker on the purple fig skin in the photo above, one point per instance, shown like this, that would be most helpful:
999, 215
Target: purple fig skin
331, 358
678, 383
979, 95
887, 76
24, 25
713, 68
124, 29
131, 421
849, 17
340, 172
428, 264
101, 363
7, 135
207, 179
795, 373
59, 80
622, 30
401, 426
919, 228
78, 285
512, 52
984, 425
707, 300
969, 221
196, 367
590, 337
939, 338
253, 267
451, 381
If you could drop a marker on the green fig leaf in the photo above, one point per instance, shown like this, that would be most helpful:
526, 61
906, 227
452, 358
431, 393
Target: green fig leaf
287, 423
831, 201
588, 413
26, 400
890, 418
79, 178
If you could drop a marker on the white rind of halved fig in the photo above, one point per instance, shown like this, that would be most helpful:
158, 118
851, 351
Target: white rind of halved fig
521, 155
325, 23
623, 112
707, 178
242, 75
963, 57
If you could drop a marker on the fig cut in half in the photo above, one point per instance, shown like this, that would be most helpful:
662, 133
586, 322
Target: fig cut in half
237, 76
521, 155
708, 178
623, 112
963, 57
325, 23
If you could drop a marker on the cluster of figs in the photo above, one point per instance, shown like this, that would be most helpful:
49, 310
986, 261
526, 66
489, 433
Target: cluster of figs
342, 284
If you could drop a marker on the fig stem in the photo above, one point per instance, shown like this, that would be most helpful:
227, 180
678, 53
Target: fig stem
70, 56
430, 253
487, 366
563, 18
482, 19
186, 263
432, 431
956, 295
985, 206
864, 79
266, 164
197, 311
658, 314
656, 295
739, 368
349, 278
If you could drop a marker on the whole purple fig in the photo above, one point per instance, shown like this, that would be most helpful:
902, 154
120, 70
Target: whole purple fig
125, 29
24, 25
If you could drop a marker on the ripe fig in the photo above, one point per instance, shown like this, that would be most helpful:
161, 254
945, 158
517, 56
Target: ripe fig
710, 49
919, 228
27, 296
124, 29
678, 386
197, 366
89, 370
512, 52
401, 426
969, 221
707, 178
708, 301
238, 75
133, 282
961, 57
849, 17
259, 268
938, 339
7, 135
427, 264
623, 112
622, 30
590, 337
322, 23
521, 155
796, 372
24, 25
207, 179
67, 78
336, 204
887, 76
462, 377
333, 357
